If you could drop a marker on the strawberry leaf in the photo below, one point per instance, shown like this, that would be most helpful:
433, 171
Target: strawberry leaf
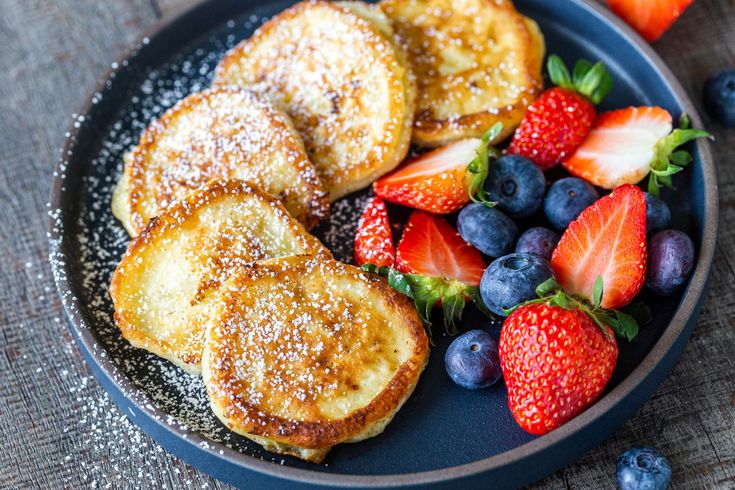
668, 161
480, 165
592, 81
428, 291
597, 292
558, 72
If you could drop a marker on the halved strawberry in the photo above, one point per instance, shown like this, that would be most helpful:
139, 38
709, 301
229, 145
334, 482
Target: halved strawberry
435, 266
559, 120
374, 239
431, 247
625, 145
437, 181
651, 18
607, 240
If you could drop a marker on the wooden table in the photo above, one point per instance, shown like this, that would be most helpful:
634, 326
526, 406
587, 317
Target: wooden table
58, 427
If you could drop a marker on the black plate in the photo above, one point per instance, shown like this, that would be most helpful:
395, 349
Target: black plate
444, 435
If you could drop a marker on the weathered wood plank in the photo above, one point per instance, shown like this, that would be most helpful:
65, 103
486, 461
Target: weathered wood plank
59, 429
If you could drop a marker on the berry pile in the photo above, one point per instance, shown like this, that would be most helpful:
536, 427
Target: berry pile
567, 254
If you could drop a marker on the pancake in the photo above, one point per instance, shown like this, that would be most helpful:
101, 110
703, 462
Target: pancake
305, 353
163, 283
477, 63
337, 71
216, 134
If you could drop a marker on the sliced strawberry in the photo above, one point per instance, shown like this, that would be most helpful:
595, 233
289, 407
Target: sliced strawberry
431, 247
651, 18
434, 266
625, 145
607, 240
559, 120
374, 239
437, 181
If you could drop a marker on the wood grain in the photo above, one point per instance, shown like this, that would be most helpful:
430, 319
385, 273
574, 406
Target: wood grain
60, 430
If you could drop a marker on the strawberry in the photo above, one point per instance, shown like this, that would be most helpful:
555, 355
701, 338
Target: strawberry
556, 362
651, 18
444, 180
607, 240
559, 120
625, 145
435, 266
374, 239
431, 247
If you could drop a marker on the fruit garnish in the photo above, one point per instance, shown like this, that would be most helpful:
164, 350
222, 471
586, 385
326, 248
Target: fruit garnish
627, 144
558, 353
472, 360
566, 199
441, 181
434, 265
556, 362
487, 229
719, 97
374, 239
431, 247
559, 120
651, 18
671, 258
607, 240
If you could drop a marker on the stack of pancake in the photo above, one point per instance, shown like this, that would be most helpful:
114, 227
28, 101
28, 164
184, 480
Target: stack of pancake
300, 352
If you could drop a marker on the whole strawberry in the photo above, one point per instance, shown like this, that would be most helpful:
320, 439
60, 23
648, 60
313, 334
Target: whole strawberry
560, 119
556, 362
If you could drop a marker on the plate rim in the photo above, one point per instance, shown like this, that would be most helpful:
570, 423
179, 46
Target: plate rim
114, 378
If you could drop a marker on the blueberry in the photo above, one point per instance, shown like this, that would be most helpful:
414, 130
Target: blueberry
517, 185
719, 97
512, 280
566, 199
670, 261
487, 229
538, 241
472, 360
658, 215
643, 468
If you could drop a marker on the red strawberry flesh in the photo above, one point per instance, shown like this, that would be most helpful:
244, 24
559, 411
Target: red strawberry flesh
431, 247
608, 239
651, 18
436, 181
374, 239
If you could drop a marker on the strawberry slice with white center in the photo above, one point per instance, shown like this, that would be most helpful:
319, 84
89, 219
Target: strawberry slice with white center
431, 247
374, 239
626, 145
434, 265
437, 181
607, 240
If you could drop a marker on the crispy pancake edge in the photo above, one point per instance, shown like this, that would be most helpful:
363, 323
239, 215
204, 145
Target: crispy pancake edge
311, 440
179, 212
317, 203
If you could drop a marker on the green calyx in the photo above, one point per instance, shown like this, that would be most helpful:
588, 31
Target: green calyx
480, 166
427, 291
625, 324
667, 160
592, 81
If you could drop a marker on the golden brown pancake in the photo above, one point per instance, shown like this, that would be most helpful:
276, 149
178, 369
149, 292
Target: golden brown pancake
304, 353
336, 70
477, 63
218, 134
163, 283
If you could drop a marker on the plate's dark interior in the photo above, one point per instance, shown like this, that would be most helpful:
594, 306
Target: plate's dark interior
450, 425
